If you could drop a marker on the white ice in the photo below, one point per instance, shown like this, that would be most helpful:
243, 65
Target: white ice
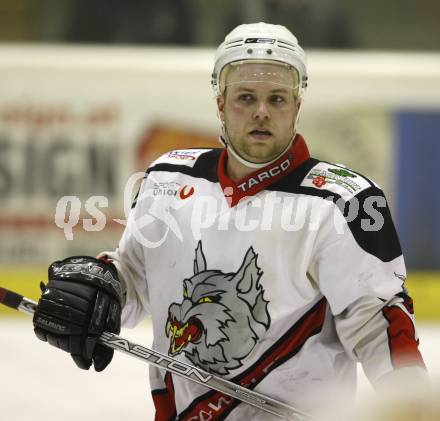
41, 383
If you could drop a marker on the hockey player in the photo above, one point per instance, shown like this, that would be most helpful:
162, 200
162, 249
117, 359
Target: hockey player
255, 261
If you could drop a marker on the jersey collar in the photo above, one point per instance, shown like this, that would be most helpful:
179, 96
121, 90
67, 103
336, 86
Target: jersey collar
250, 185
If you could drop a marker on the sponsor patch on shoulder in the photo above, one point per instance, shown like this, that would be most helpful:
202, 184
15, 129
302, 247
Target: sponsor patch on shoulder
336, 179
187, 157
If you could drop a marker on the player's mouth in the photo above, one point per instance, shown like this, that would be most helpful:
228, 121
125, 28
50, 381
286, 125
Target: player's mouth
260, 134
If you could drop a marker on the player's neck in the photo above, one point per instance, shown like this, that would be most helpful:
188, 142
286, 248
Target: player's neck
235, 170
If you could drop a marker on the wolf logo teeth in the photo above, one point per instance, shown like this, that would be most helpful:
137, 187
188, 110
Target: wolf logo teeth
221, 317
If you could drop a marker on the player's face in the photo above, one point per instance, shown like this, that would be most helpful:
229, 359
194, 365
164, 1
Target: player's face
259, 108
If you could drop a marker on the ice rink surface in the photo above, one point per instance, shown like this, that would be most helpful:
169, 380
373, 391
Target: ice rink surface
41, 383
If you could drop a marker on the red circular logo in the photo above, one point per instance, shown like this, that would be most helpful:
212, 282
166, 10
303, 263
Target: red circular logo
319, 181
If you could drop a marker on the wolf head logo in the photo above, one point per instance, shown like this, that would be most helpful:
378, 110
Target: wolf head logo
221, 317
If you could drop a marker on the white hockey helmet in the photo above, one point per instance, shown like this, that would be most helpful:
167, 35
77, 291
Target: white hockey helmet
260, 41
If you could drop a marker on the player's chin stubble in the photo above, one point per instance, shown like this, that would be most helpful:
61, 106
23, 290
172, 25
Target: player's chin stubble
262, 150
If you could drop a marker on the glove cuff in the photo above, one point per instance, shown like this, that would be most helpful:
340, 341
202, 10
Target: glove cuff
88, 270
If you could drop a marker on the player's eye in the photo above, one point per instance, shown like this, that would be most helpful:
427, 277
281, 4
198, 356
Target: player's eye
245, 98
207, 300
277, 99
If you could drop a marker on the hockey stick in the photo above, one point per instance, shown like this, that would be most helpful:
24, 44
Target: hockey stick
258, 400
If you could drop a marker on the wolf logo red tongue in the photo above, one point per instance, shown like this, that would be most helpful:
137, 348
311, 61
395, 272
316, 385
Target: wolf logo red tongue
182, 335
221, 317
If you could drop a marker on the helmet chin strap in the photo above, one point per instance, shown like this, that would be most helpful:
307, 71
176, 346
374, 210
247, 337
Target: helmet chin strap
224, 138
255, 165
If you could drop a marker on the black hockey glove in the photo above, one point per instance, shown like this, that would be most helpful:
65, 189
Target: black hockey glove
81, 300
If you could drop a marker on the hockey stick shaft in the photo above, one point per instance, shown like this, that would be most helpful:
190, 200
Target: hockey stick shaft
258, 400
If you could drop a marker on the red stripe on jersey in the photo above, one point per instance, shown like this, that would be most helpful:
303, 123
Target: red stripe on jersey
404, 347
218, 405
164, 401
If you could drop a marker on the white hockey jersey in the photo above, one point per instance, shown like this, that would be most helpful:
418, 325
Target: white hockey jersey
280, 282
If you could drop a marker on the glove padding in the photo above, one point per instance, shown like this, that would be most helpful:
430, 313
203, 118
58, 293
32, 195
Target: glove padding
81, 300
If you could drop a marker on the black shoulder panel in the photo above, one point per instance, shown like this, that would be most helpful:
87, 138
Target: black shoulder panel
372, 226
292, 182
205, 166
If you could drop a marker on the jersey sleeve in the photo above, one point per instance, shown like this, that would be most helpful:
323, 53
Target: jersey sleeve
360, 269
129, 260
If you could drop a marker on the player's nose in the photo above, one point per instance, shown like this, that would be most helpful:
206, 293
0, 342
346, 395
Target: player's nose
261, 111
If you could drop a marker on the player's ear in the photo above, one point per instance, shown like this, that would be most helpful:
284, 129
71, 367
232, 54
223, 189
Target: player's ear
221, 107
